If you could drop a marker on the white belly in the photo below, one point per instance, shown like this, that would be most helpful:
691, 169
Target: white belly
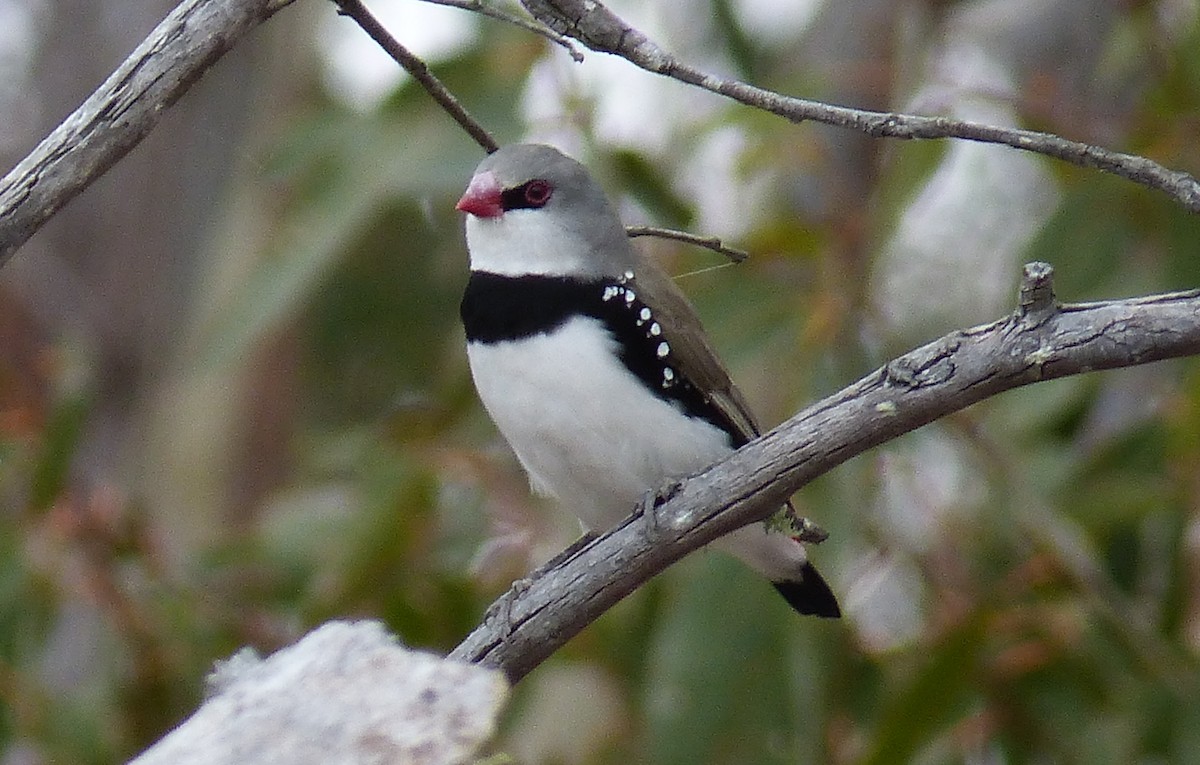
583, 426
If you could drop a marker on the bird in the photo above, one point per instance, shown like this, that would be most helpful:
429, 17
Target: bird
592, 363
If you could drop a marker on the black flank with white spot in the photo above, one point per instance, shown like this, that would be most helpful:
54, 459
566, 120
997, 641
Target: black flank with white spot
498, 309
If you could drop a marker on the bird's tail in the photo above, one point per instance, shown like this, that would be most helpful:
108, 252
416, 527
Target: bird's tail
784, 562
809, 595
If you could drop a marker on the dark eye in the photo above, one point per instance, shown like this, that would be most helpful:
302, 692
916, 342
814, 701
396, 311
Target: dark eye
530, 195
537, 192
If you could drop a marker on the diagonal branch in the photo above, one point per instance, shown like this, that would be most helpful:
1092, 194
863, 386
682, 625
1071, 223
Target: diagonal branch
122, 111
601, 30
419, 71
1040, 341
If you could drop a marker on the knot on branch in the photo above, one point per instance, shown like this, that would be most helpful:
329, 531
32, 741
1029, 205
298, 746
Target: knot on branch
589, 22
1036, 301
930, 365
594, 25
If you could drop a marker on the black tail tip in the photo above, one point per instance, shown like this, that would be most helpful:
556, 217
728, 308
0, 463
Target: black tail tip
810, 595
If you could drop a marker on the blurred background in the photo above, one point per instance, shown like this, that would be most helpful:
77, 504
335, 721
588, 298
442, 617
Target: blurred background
234, 400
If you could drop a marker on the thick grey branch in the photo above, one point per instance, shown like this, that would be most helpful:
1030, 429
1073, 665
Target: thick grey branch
1040, 341
121, 111
601, 30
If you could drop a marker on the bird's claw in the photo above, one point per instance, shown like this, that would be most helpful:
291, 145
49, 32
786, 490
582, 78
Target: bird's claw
798, 528
502, 609
647, 507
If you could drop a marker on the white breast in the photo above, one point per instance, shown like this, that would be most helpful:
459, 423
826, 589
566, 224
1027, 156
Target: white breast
583, 426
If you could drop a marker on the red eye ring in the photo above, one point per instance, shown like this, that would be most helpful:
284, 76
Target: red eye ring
537, 192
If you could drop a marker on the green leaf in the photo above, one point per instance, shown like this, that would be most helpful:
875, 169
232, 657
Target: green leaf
717, 689
937, 694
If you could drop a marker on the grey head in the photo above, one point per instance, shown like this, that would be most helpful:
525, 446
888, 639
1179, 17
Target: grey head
532, 209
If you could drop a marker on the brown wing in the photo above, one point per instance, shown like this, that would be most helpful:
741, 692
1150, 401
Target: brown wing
692, 352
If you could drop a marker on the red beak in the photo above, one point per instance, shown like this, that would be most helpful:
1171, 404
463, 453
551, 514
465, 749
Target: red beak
482, 197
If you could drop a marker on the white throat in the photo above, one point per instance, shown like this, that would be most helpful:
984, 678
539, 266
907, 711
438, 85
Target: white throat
518, 243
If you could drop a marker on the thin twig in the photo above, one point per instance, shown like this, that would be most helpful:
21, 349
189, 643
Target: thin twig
529, 24
708, 242
601, 30
419, 71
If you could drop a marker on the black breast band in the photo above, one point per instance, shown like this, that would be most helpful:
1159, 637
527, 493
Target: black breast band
497, 309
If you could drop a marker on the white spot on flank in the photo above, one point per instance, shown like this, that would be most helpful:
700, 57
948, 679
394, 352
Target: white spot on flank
630, 296
627, 276
655, 330
645, 314
663, 350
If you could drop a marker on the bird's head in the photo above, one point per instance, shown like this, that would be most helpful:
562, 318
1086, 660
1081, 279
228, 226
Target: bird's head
533, 210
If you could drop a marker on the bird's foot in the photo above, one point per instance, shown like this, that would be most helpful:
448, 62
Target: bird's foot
798, 528
647, 507
502, 609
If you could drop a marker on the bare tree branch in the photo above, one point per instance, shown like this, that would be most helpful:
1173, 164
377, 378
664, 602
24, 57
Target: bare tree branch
419, 71
122, 111
529, 24
1040, 341
601, 30
708, 242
